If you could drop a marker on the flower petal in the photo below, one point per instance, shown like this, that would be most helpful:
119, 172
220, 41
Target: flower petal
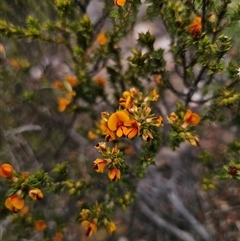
17, 202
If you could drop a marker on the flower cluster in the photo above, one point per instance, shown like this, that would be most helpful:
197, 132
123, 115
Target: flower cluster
112, 159
97, 216
134, 118
22, 188
181, 126
66, 88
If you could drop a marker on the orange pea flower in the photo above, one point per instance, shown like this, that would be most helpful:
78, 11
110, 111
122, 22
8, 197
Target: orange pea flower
126, 101
92, 135
128, 150
196, 27
172, 118
100, 165
35, 194
114, 174
194, 141
111, 227
116, 122
133, 129
90, 226
62, 104
190, 119
119, 3
110, 135
85, 213
72, 80
102, 38
40, 225
157, 121
58, 236
14, 203
101, 147
15, 63
100, 81
6, 170
153, 95
57, 84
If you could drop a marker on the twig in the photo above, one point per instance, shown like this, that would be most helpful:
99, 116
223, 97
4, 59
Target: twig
177, 203
19, 130
161, 223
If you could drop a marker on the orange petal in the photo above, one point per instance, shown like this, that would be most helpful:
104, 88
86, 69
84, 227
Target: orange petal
120, 3
112, 174
8, 204
85, 224
132, 133
93, 226
188, 115
17, 202
122, 116
112, 122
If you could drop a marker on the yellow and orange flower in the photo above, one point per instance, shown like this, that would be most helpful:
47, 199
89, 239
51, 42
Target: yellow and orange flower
116, 123
101, 147
128, 150
100, 81
172, 118
90, 226
111, 227
85, 213
102, 38
92, 135
194, 141
158, 79
6, 170
40, 225
196, 27
14, 203
110, 135
190, 119
57, 84
119, 3
15, 63
58, 236
157, 121
153, 95
126, 101
35, 194
114, 174
63, 103
72, 80
147, 135
100, 165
